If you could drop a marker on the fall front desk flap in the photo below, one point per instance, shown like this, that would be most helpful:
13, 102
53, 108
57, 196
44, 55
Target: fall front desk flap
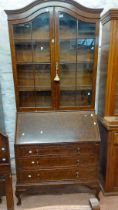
56, 127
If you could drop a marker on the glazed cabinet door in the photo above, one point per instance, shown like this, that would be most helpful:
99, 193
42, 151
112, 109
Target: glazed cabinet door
75, 60
55, 61
34, 62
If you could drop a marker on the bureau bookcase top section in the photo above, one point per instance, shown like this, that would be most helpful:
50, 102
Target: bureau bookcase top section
54, 47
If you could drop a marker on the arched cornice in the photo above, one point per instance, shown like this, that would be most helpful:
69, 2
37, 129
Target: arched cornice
39, 4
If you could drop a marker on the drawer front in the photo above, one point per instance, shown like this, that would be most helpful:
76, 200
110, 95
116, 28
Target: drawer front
4, 158
67, 149
3, 145
38, 176
4, 153
57, 161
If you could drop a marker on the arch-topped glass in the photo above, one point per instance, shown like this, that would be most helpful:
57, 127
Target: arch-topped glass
54, 63
32, 48
77, 40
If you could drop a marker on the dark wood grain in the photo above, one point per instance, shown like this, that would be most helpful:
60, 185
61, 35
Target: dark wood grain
60, 161
108, 91
109, 155
5, 172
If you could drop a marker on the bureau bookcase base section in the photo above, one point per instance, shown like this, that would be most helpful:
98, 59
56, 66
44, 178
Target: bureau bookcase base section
56, 148
108, 102
54, 48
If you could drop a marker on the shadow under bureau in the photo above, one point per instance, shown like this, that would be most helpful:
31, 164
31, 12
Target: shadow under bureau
56, 148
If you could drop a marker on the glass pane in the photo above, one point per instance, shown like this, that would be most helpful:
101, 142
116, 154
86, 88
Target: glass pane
23, 52
85, 60
40, 27
86, 29
68, 76
84, 76
43, 99
41, 52
68, 26
67, 98
43, 85
77, 40
83, 97
85, 50
42, 77
27, 98
34, 80
22, 31
68, 59
25, 76
68, 51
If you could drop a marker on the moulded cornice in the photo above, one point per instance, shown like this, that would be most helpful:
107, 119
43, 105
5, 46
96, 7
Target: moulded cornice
21, 13
111, 14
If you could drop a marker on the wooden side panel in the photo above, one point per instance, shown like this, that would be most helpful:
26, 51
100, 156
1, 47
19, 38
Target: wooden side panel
112, 70
115, 163
103, 67
103, 151
115, 72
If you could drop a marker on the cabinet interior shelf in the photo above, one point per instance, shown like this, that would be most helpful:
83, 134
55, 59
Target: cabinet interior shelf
61, 62
63, 88
46, 88
24, 41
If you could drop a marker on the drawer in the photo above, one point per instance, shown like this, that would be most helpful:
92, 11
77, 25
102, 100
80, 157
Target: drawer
57, 161
4, 155
72, 173
4, 150
115, 138
62, 149
4, 159
3, 145
5, 168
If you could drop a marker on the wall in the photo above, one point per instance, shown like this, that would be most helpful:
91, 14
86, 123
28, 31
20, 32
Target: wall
6, 78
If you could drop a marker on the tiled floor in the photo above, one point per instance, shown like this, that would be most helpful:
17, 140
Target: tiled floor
32, 202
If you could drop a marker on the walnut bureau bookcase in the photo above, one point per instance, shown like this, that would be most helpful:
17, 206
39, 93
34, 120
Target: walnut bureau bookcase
54, 47
108, 102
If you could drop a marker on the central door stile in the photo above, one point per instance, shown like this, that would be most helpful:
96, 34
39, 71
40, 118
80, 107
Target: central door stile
52, 58
57, 60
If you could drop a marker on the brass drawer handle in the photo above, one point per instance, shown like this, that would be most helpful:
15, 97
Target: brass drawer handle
77, 174
3, 159
29, 176
33, 162
3, 149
